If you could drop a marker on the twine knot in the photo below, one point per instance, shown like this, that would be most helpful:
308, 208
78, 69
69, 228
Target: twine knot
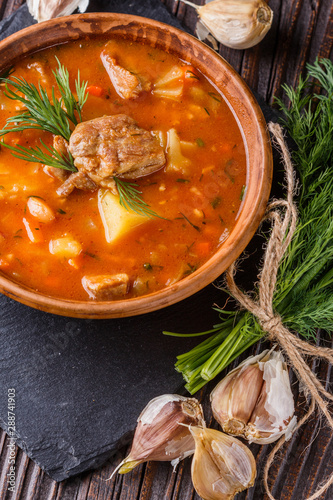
271, 325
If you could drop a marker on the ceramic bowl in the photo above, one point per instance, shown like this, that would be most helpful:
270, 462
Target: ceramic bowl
247, 113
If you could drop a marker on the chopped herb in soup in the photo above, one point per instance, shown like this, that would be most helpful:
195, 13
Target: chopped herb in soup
122, 170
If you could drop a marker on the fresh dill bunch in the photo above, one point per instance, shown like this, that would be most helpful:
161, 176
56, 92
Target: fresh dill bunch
309, 260
304, 287
309, 121
314, 310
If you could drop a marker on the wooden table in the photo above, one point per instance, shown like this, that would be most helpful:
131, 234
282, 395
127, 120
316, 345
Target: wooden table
302, 30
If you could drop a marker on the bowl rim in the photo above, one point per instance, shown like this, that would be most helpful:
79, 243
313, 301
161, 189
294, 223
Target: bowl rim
235, 243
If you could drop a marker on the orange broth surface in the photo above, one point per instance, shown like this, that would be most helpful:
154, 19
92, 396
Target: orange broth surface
199, 206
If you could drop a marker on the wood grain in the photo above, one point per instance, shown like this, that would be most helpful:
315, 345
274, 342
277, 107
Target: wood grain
301, 31
8, 7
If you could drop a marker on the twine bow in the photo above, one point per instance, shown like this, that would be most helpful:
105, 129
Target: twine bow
283, 217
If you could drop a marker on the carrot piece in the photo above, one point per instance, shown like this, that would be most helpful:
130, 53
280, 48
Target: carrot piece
3, 263
203, 248
34, 231
95, 90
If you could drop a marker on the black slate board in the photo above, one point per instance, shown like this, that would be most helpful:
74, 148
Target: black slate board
80, 384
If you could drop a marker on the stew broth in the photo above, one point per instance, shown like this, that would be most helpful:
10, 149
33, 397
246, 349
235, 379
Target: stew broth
198, 194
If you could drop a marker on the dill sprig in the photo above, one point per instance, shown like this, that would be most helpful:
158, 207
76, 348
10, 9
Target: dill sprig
130, 198
304, 287
37, 155
42, 112
53, 115
73, 106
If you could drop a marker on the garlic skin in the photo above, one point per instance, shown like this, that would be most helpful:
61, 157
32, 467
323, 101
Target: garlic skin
255, 400
160, 434
43, 10
273, 415
238, 24
222, 465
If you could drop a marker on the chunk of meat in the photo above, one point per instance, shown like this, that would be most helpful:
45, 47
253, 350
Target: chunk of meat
106, 286
61, 146
111, 146
78, 180
126, 84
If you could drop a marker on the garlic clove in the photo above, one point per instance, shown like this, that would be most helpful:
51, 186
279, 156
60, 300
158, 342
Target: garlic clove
203, 34
255, 400
234, 398
222, 466
239, 24
246, 390
160, 434
43, 10
220, 403
273, 415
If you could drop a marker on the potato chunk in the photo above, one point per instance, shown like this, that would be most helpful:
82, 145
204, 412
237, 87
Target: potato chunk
176, 161
174, 75
65, 247
116, 219
175, 93
171, 84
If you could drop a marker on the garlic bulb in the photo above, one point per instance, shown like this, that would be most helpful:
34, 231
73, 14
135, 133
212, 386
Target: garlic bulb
222, 465
43, 10
255, 400
238, 24
160, 434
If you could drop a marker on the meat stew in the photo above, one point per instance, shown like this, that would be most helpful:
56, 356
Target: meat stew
71, 238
